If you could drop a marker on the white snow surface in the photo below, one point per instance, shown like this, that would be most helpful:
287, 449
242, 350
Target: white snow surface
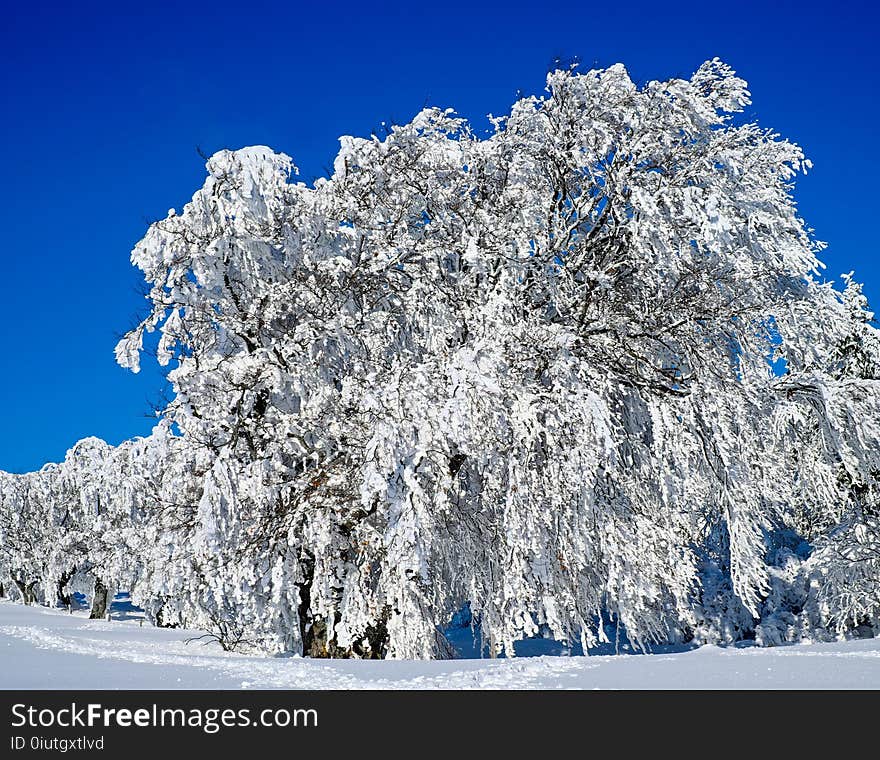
42, 648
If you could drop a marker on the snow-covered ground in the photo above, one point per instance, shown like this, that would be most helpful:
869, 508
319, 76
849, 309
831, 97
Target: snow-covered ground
42, 648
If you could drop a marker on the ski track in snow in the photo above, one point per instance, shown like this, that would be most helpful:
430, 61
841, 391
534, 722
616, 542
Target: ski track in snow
287, 673
30, 635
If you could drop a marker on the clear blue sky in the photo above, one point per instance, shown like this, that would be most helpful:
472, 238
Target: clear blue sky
103, 109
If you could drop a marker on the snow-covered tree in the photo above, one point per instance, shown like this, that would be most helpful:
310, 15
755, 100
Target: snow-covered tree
535, 373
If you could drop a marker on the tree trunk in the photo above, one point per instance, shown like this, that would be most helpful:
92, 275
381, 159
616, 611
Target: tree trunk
101, 601
28, 591
64, 599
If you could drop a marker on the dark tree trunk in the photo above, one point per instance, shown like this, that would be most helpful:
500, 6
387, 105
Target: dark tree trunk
312, 629
307, 567
64, 599
315, 641
28, 591
100, 602
376, 637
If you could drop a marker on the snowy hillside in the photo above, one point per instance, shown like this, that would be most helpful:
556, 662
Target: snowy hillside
43, 648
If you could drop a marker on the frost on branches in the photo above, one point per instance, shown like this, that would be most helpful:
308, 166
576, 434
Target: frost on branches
532, 374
